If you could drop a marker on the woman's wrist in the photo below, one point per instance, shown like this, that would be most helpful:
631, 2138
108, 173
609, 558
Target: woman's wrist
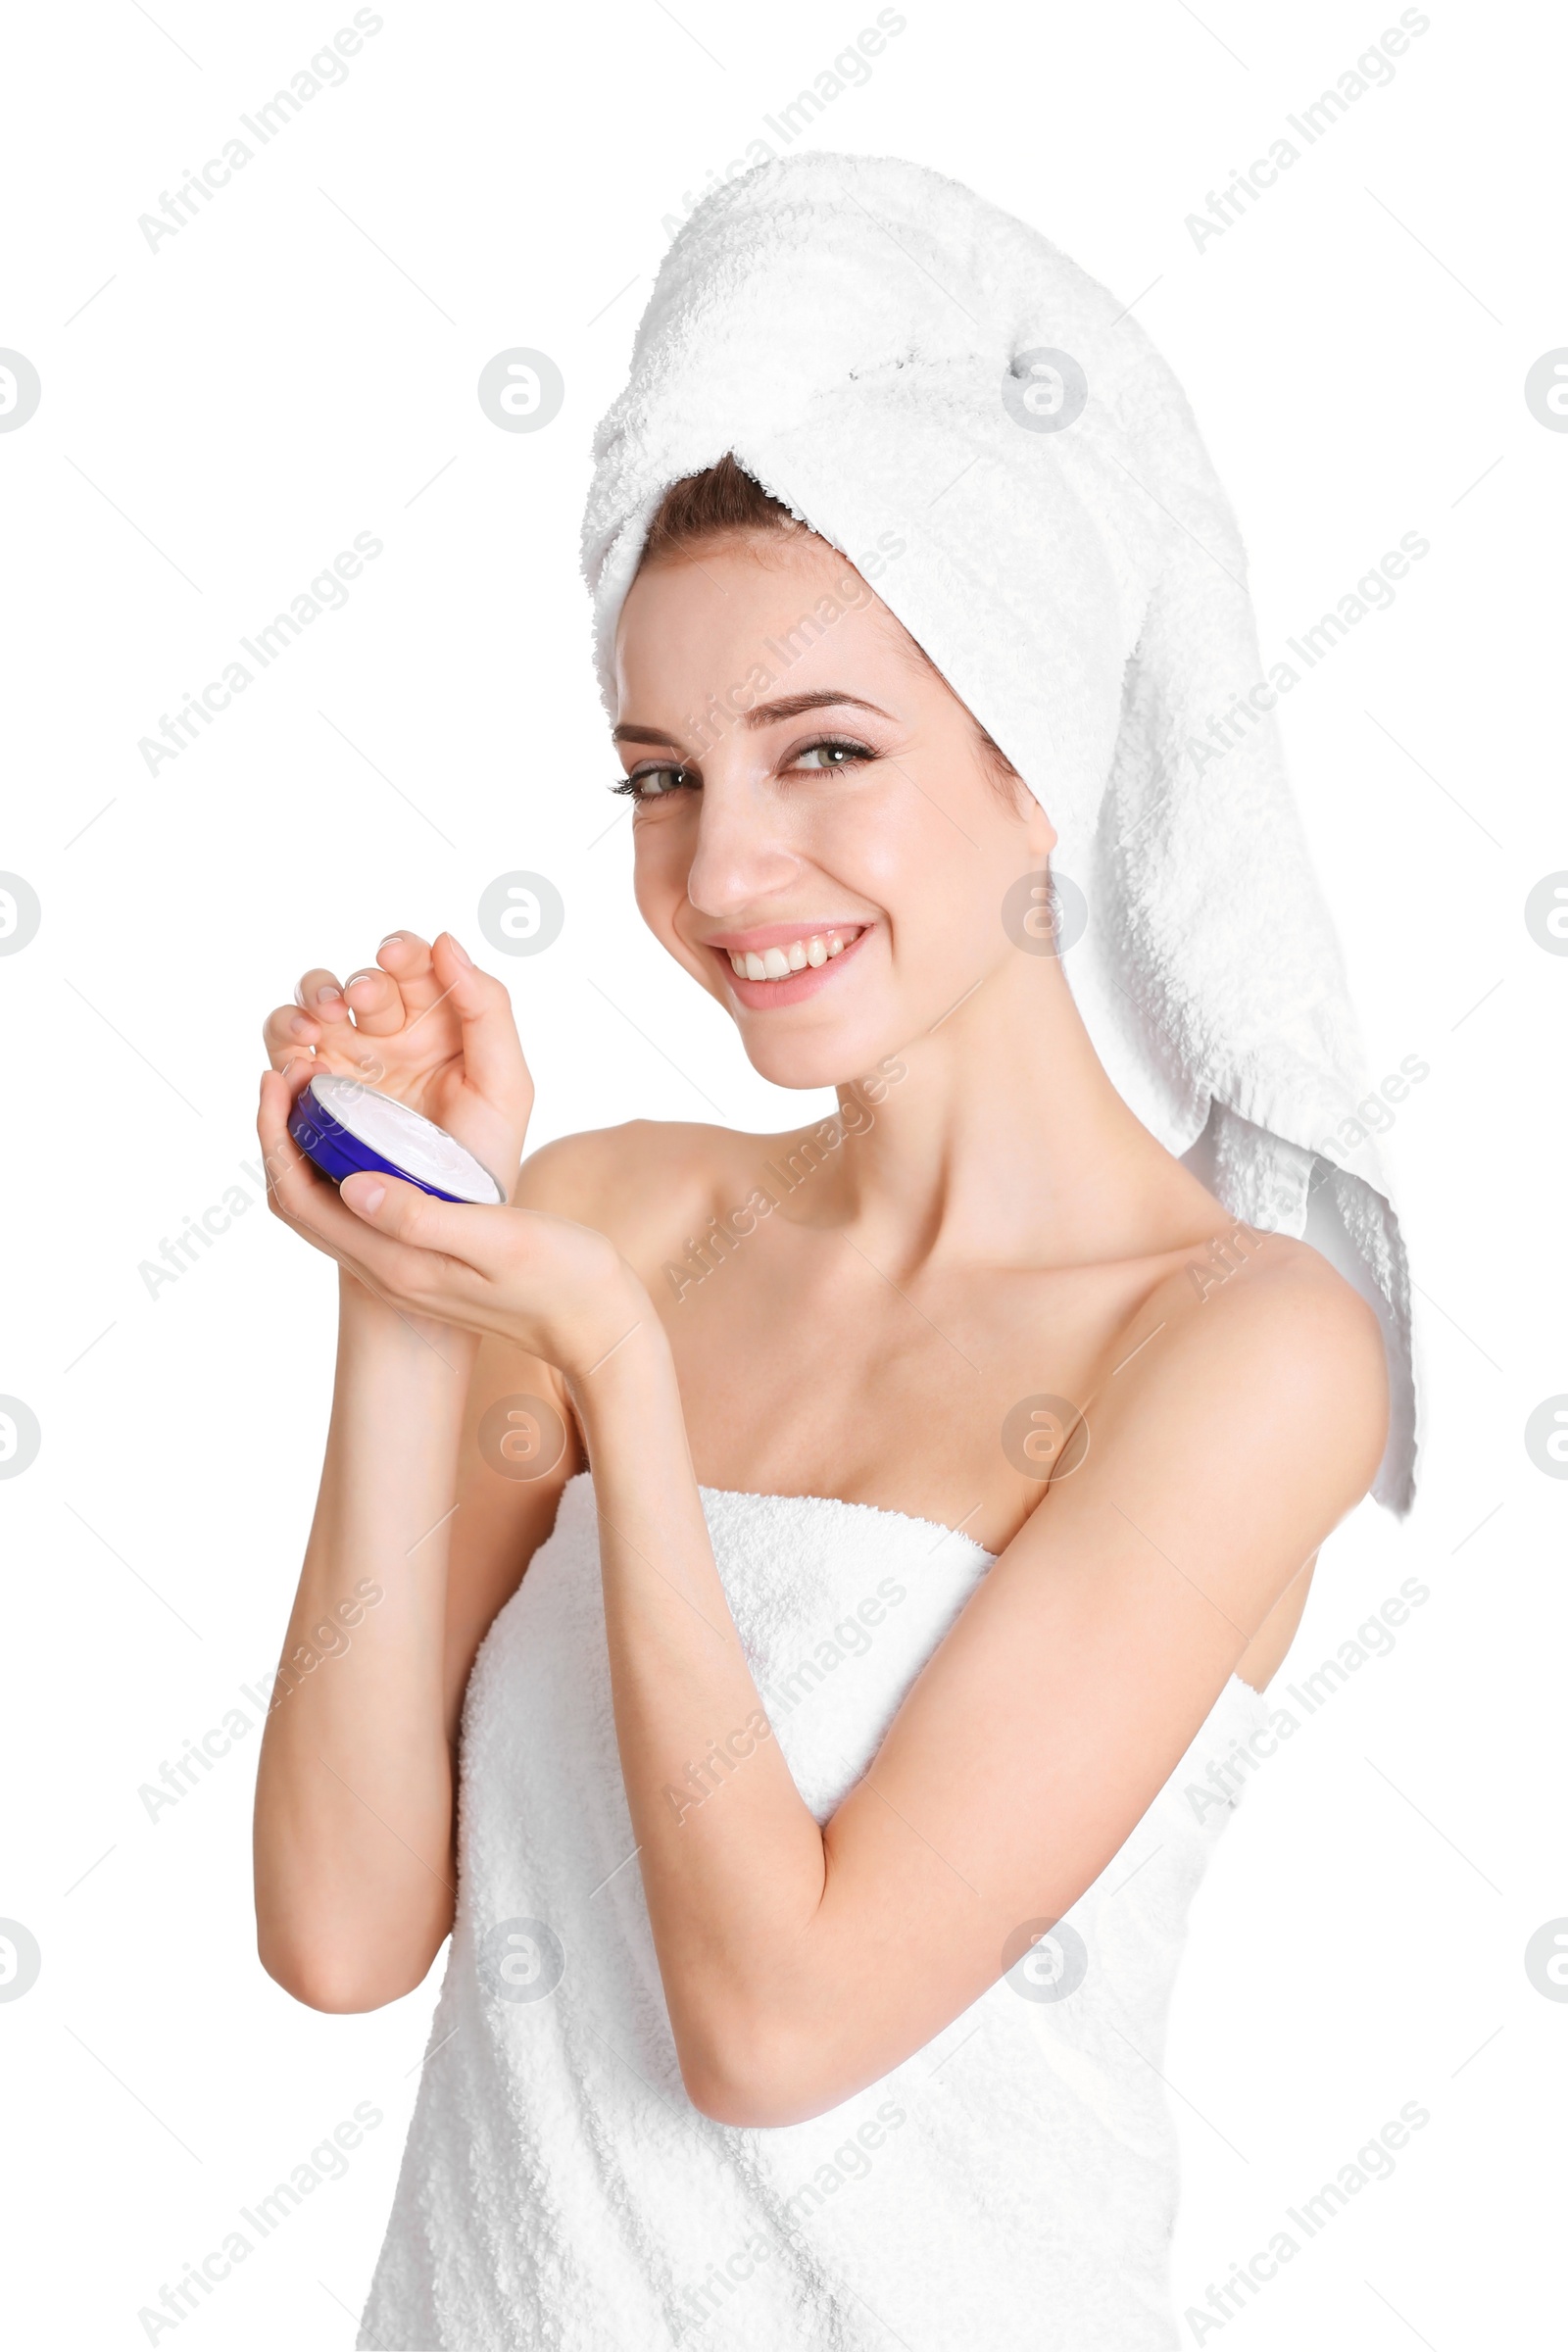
369, 1322
630, 1359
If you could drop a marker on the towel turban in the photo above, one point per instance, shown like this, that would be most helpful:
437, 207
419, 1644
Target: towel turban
900, 363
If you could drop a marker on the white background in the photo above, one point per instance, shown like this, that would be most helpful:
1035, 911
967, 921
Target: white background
298, 365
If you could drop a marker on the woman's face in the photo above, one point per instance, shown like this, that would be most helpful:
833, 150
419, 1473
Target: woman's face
811, 800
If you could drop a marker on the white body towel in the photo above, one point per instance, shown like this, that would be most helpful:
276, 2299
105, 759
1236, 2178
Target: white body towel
1011, 2184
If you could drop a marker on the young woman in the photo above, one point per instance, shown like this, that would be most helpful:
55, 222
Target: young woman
823, 1564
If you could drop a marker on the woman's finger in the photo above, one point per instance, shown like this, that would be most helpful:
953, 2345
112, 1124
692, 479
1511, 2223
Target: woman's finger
291, 1036
428, 1281
375, 1001
492, 1055
407, 958
305, 1199
319, 990
290, 1176
401, 1213
316, 1017
287, 1034
320, 996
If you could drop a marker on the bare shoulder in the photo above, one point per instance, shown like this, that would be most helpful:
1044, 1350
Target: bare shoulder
1262, 1367
645, 1183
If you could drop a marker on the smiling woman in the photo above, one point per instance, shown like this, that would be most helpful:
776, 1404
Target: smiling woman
822, 1667
725, 568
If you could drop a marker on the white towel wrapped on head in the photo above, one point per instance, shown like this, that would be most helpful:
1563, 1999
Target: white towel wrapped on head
895, 359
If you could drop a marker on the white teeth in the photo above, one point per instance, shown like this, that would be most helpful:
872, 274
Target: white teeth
776, 964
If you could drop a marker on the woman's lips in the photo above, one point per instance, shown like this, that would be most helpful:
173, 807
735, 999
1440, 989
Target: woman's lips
761, 995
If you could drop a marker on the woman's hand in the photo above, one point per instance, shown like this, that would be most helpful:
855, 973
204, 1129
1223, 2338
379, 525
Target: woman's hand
429, 1028
556, 1290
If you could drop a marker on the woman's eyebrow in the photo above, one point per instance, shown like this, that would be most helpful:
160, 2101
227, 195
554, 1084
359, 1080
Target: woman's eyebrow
791, 706
643, 735
761, 715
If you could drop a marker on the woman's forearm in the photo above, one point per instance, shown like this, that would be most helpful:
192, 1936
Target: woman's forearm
732, 1858
353, 1802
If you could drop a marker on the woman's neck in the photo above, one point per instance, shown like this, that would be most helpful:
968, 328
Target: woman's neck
1004, 1138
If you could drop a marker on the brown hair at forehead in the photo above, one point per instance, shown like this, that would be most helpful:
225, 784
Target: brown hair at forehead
711, 505
725, 502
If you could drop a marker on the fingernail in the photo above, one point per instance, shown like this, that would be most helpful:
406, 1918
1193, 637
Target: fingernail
301, 1025
393, 939
328, 995
355, 978
458, 950
370, 1199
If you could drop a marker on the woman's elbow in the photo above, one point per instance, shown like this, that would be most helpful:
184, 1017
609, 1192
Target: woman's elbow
760, 2083
340, 1983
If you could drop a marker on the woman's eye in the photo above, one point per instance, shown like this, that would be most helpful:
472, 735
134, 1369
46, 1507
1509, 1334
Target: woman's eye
654, 783
659, 778
831, 754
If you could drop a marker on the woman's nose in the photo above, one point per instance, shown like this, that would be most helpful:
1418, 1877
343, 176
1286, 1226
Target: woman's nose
742, 856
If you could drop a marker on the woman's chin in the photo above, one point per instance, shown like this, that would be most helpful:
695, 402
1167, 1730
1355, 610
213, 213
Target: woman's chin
835, 1057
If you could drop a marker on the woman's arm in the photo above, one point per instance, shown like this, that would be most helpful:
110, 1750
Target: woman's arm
801, 1964
416, 1544
417, 1539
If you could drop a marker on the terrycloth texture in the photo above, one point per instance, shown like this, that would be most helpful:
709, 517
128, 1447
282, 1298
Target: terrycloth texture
1012, 2184
845, 325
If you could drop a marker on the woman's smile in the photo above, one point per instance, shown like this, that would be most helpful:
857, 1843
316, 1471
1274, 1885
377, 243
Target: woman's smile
782, 963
